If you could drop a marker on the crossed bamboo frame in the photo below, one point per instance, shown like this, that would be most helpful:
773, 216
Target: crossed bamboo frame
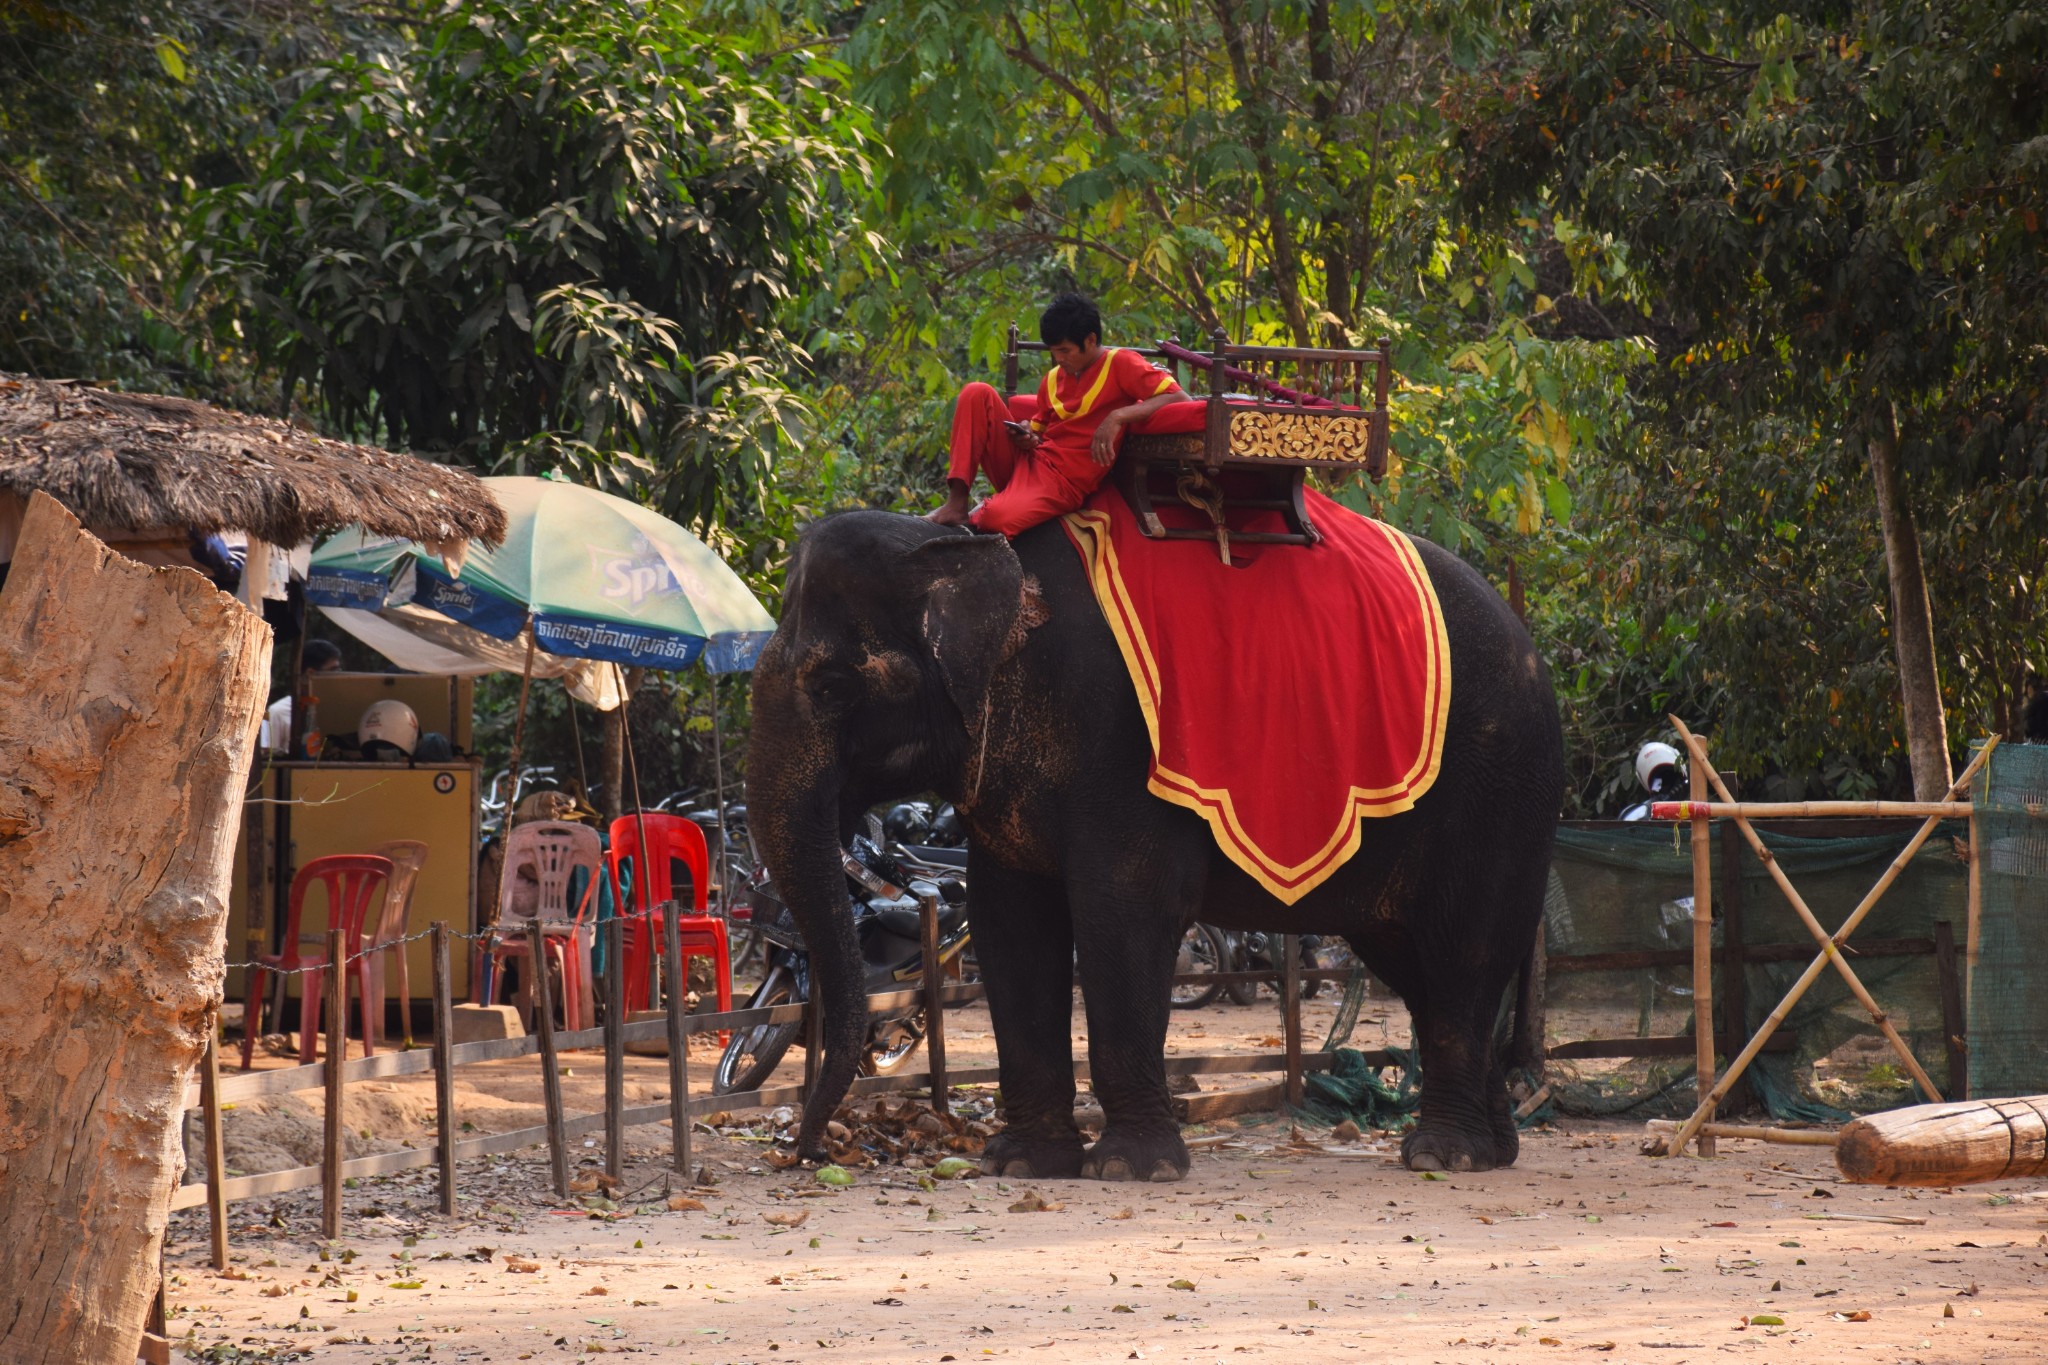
1830, 944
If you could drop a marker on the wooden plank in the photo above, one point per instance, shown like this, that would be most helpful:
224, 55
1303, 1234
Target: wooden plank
216, 1151
1661, 1129
1701, 808
1966, 1142
550, 1064
1752, 953
1217, 1104
444, 1068
1680, 1045
934, 1002
615, 1039
337, 1075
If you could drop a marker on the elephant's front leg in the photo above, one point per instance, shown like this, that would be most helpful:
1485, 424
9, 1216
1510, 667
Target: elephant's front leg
1127, 933
1025, 947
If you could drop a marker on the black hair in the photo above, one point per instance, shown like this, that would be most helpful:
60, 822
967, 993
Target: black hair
320, 653
1070, 317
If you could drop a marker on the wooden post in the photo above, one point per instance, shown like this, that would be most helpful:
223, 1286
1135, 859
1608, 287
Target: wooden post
550, 1068
615, 1045
1947, 1144
1290, 1011
1830, 944
1954, 1027
1702, 949
1973, 931
337, 1055
444, 1067
216, 1156
934, 1002
1734, 982
678, 1040
129, 701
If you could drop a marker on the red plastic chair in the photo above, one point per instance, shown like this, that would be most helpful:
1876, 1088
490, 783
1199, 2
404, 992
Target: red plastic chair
353, 882
671, 839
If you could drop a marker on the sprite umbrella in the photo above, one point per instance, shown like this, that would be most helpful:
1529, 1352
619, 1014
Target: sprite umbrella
597, 576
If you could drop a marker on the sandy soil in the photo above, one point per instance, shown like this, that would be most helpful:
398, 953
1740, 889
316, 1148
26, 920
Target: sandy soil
1263, 1251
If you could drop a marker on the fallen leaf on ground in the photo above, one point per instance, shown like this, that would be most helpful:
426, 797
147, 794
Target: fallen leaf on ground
596, 1291
519, 1265
682, 1203
787, 1220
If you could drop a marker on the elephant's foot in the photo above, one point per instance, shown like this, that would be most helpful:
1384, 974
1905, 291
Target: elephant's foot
1158, 1156
1022, 1158
1442, 1148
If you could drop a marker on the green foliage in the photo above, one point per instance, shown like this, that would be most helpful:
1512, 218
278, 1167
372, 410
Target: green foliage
573, 235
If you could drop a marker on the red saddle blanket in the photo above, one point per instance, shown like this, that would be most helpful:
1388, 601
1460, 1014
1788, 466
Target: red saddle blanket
1288, 697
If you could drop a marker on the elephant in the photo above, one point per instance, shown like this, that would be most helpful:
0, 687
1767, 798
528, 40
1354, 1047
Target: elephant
911, 658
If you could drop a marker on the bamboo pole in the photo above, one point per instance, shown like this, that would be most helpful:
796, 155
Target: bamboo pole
1729, 808
444, 1068
934, 1002
1702, 947
550, 1069
678, 1040
337, 1054
1830, 944
216, 1155
1973, 930
615, 1041
1793, 1137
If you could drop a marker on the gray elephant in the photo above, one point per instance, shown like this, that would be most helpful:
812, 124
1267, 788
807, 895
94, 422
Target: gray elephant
911, 658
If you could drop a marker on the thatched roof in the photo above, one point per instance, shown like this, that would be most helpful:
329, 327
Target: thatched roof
135, 462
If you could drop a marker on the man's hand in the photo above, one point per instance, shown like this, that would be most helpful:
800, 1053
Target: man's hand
1103, 447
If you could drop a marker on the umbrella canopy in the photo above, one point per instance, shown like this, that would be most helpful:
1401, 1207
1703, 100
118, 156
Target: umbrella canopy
139, 462
599, 577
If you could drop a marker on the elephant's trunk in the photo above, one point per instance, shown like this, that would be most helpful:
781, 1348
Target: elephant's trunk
793, 792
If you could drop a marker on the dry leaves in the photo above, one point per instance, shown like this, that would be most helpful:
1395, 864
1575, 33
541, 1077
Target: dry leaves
682, 1203
783, 1219
1033, 1202
519, 1265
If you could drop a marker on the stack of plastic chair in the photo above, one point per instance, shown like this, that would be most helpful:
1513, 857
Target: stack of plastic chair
407, 857
670, 839
550, 852
352, 881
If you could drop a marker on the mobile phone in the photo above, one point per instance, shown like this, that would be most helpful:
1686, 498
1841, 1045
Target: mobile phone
1021, 430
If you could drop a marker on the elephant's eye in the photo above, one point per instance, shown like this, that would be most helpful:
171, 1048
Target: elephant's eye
832, 687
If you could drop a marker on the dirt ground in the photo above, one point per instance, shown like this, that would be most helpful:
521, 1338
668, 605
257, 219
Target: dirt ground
1268, 1249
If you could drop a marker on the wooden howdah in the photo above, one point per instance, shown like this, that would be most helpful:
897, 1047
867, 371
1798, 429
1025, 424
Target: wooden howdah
1295, 409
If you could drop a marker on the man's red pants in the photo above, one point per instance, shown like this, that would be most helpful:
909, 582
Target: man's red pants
1030, 486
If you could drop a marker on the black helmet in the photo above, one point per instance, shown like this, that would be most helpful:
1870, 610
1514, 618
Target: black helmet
909, 822
947, 830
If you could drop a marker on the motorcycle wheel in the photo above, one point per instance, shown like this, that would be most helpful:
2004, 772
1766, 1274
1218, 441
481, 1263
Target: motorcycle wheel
753, 1054
891, 1044
1241, 992
1202, 950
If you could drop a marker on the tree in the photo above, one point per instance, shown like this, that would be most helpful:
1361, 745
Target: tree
1840, 203
573, 235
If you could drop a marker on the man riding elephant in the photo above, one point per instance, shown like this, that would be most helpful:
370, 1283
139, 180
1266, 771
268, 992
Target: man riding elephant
1045, 454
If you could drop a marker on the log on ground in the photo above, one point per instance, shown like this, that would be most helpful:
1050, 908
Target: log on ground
1947, 1144
129, 699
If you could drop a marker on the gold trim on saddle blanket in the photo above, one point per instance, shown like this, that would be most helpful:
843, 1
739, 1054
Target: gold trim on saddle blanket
1091, 532
1299, 436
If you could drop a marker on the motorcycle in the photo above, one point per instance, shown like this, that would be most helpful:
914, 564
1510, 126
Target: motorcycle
886, 890
1255, 951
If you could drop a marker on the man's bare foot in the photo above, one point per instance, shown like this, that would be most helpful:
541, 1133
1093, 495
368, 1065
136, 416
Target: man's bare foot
952, 512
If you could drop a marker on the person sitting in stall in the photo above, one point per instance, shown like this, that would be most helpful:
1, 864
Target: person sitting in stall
1047, 453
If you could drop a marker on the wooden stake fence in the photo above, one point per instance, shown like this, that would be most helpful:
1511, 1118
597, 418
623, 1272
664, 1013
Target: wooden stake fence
1830, 944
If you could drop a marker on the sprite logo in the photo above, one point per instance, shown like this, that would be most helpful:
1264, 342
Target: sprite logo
633, 579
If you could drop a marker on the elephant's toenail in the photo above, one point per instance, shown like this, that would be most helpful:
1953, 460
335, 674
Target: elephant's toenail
1164, 1171
1116, 1168
1425, 1161
1461, 1162
1018, 1169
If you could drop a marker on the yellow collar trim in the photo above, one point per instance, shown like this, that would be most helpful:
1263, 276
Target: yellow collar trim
1052, 389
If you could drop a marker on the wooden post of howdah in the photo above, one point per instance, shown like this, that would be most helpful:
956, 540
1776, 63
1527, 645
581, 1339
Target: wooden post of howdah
115, 680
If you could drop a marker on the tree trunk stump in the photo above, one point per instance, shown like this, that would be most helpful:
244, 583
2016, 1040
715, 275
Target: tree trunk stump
129, 699
1947, 1144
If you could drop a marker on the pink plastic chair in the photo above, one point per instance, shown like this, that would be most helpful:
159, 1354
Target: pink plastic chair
671, 839
407, 857
352, 881
552, 850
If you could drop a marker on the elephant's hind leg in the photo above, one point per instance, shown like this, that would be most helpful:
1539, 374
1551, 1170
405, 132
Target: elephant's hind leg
1023, 940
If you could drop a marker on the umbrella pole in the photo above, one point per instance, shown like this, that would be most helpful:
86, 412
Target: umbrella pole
642, 866
519, 724
718, 781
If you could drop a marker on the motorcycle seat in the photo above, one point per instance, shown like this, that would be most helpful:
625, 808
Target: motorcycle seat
904, 921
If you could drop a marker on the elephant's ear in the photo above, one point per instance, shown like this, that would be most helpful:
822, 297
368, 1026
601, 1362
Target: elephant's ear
973, 586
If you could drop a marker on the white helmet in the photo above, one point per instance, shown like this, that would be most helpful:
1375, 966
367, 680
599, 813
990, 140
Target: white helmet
1653, 756
392, 722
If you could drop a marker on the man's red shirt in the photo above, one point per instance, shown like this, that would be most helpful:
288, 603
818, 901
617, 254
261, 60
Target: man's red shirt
1070, 409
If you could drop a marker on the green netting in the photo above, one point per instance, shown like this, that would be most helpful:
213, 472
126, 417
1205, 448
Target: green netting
2008, 981
1627, 888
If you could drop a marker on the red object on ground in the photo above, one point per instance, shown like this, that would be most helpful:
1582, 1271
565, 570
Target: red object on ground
1287, 697
670, 839
352, 881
